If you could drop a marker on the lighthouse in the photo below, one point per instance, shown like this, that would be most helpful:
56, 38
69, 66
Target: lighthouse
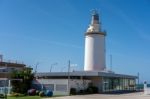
94, 73
94, 59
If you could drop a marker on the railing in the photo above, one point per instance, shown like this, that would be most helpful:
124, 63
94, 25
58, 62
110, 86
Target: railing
13, 61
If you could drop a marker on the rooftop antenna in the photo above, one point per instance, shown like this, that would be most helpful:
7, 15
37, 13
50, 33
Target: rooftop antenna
110, 62
94, 11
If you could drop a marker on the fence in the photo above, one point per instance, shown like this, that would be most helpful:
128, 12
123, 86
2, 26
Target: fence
6, 90
146, 89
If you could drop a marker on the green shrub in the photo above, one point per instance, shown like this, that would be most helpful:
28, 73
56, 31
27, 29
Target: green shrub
73, 91
92, 89
16, 95
95, 89
41, 94
89, 90
2, 96
82, 92
37, 92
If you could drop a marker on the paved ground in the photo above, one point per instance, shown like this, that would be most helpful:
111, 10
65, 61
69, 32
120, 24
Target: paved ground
105, 96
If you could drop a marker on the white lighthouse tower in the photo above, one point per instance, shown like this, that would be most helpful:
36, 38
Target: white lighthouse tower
94, 59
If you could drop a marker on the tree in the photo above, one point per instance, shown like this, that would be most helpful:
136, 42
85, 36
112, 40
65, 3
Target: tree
22, 80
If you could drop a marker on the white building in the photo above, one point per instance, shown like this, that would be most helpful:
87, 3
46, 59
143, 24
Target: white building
94, 69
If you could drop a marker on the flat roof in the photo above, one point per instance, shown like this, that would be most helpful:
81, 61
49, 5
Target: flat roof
10, 64
83, 73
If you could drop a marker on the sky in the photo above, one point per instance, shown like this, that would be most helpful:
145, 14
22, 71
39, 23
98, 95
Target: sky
48, 33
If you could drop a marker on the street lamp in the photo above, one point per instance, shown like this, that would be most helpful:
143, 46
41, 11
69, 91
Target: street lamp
72, 66
52, 66
68, 77
6, 72
36, 66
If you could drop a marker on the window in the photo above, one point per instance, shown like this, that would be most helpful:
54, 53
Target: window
61, 87
49, 87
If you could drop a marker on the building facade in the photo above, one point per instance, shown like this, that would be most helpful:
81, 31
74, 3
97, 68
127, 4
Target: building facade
104, 81
6, 68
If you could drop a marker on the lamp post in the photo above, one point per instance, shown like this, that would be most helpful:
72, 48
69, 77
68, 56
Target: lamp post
36, 66
68, 77
6, 81
72, 66
138, 81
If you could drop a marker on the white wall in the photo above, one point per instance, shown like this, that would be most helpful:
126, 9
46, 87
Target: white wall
94, 52
79, 84
59, 84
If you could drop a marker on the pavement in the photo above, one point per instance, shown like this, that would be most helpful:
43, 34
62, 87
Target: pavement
138, 95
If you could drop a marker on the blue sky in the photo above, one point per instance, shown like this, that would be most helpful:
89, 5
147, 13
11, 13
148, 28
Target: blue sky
50, 31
